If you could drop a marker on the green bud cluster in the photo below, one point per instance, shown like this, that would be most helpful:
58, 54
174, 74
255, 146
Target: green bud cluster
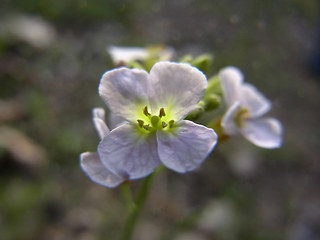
203, 62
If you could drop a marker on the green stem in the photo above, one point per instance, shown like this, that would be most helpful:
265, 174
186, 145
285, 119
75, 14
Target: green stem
127, 196
136, 210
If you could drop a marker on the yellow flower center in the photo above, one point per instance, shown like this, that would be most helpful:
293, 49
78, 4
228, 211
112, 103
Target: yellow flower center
242, 114
151, 123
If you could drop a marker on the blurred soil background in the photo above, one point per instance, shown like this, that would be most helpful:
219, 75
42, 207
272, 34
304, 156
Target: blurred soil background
52, 55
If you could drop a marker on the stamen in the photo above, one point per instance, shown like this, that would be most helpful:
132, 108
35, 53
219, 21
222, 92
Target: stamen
145, 111
164, 124
146, 127
140, 123
242, 114
162, 112
171, 122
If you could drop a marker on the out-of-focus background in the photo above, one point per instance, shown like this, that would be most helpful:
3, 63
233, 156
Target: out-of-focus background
52, 54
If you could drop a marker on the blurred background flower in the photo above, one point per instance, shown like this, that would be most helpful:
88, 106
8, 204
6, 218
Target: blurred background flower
52, 56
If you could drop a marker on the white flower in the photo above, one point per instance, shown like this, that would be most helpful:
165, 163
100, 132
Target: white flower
90, 161
246, 107
126, 54
153, 105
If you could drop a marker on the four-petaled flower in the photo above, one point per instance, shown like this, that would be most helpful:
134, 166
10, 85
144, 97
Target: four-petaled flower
154, 105
246, 106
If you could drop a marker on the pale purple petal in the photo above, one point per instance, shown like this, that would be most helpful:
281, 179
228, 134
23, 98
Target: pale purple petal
129, 153
98, 118
231, 81
93, 167
124, 89
263, 132
98, 113
228, 123
186, 148
115, 121
254, 100
176, 86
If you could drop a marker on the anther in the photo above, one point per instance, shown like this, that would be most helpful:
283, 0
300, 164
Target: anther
162, 112
146, 127
171, 122
145, 111
140, 123
164, 124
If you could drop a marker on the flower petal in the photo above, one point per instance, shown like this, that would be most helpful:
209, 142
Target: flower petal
115, 121
126, 54
129, 153
263, 132
93, 167
228, 124
254, 100
186, 148
99, 122
177, 86
231, 80
98, 113
123, 89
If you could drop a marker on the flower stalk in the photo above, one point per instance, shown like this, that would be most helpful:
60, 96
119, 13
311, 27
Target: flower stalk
136, 208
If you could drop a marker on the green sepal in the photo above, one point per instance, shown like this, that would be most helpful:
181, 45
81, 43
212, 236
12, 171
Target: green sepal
134, 64
211, 102
149, 62
197, 112
203, 63
154, 56
186, 59
214, 86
